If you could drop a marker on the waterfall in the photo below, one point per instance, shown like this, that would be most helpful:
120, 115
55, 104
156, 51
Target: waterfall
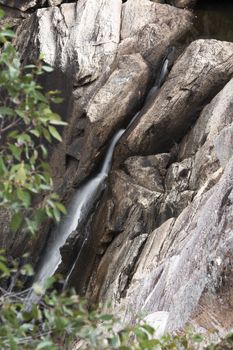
82, 202
79, 208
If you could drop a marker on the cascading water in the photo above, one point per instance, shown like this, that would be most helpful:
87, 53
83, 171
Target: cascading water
79, 208
82, 202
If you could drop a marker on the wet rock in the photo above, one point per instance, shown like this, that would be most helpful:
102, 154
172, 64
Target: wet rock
200, 72
108, 110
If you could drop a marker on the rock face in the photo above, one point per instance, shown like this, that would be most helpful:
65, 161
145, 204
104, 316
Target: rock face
199, 73
110, 107
160, 239
184, 267
95, 64
183, 3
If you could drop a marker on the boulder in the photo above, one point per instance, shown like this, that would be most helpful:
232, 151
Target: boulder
150, 28
108, 111
202, 70
70, 37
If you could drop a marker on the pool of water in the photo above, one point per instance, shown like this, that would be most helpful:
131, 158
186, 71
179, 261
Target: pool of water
214, 19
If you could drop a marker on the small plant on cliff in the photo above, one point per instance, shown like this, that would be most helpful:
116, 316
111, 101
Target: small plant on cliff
26, 124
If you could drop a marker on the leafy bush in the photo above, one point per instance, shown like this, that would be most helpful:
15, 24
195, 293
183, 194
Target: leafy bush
26, 123
60, 320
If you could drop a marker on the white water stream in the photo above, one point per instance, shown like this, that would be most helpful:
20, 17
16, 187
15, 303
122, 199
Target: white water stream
79, 208
82, 202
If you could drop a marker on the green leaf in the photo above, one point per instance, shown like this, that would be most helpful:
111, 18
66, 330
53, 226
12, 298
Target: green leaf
44, 151
47, 69
27, 270
24, 196
16, 151
3, 168
57, 99
16, 222
61, 207
45, 344
4, 269
56, 214
8, 33
38, 289
58, 122
21, 176
30, 66
35, 132
106, 317
2, 13
197, 338
7, 111
53, 131
46, 135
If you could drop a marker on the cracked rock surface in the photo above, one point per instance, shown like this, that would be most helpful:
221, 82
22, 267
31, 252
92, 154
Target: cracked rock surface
159, 240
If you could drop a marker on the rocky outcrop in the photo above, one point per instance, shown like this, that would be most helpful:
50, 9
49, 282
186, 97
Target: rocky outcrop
185, 264
67, 37
183, 267
108, 110
95, 64
159, 241
151, 28
200, 72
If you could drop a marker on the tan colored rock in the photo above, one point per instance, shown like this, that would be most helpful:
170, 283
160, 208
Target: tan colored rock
184, 270
22, 5
194, 259
201, 71
149, 28
148, 171
110, 107
209, 142
71, 36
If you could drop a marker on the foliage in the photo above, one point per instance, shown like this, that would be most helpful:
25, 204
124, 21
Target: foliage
59, 319
26, 123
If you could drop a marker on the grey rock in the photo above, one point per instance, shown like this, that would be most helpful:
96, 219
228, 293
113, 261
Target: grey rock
150, 28
22, 5
112, 105
224, 145
184, 270
148, 171
190, 264
203, 69
71, 35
